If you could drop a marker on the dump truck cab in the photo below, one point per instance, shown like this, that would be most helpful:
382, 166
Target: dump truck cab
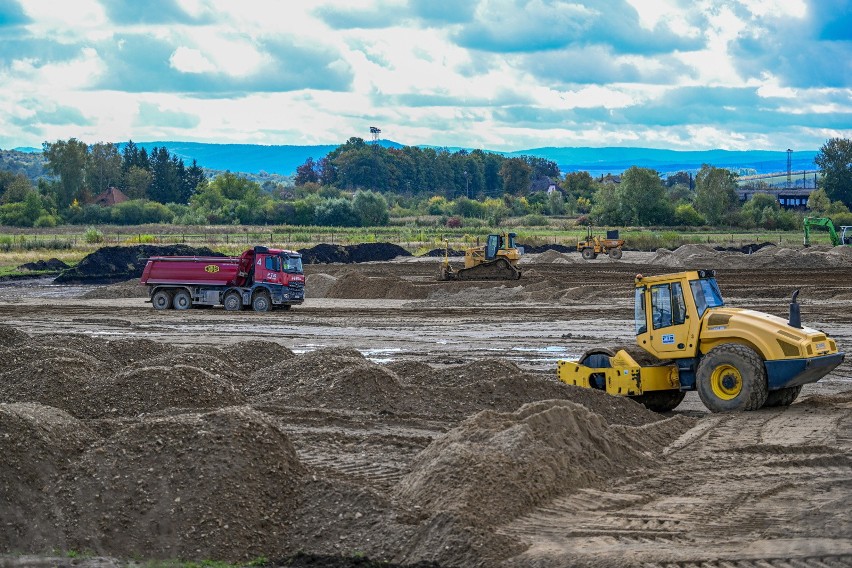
688, 339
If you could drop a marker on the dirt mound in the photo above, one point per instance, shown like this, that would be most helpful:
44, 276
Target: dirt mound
556, 257
217, 485
10, 336
35, 445
54, 265
254, 354
496, 466
126, 351
318, 285
366, 252
335, 378
110, 264
56, 377
147, 389
91, 346
357, 285
127, 289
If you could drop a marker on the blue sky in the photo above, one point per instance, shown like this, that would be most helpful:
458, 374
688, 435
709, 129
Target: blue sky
497, 74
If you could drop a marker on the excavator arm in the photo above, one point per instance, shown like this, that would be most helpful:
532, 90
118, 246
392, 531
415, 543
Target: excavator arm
821, 222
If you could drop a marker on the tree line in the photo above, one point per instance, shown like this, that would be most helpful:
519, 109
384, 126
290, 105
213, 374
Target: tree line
360, 184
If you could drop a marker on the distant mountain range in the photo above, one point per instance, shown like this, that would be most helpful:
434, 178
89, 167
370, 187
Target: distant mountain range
283, 160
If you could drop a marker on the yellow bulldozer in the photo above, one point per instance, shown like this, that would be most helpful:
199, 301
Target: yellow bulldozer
687, 339
497, 260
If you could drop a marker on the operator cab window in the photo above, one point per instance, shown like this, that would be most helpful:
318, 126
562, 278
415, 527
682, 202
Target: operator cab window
706, 293
678, 304
639, 311
661, 305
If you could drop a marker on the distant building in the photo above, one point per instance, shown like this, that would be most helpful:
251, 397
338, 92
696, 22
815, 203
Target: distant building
788, 198
110, 197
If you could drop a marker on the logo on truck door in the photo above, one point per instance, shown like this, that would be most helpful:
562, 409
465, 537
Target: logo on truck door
211, 268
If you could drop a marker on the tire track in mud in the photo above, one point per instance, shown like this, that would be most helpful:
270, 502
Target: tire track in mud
766, 488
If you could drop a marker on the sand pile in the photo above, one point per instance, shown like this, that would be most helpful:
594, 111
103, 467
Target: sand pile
147, 389
496, 466
555, 257
334, 378
36, 443
93, 346
357, 285
127, 289
217, 485
705, 256
318, 285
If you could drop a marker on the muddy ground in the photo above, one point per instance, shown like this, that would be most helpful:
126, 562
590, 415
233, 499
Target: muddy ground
412, 421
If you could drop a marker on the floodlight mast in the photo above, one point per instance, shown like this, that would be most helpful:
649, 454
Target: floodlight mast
375, 132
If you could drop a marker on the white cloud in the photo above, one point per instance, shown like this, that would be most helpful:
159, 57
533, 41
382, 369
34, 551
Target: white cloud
189, 60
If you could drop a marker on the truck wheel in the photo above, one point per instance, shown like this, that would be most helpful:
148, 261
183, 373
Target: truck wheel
660, 401
731, 377
233, 302
615, 253
261, 302
782, 397
182, 300
589, 253
162, 300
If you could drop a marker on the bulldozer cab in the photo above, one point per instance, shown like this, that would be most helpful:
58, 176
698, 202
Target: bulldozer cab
668, 311
496, 243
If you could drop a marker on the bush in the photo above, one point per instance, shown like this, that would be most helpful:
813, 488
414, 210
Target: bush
687, 215
45, 221
93, 235
453, 222
534, 220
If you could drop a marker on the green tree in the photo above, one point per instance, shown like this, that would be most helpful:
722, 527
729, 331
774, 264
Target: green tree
16, 189
516, 174
835, 160
818, 202
685, 214
715, 193
555, 203
103, 167
67, 159
371, 208
578, 184
605, 208
642, 199
137, 180
336, 213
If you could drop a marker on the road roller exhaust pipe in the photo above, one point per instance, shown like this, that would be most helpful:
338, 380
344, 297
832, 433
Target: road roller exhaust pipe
795, 313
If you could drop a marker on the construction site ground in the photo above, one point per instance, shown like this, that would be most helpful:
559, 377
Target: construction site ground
403, 419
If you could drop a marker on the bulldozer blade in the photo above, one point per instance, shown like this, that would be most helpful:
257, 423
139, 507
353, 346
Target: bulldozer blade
499, 269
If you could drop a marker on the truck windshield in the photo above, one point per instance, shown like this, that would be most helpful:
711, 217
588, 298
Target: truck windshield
292, 264
706, 294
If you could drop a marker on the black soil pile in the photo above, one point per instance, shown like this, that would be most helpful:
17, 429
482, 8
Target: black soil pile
36, 444
440, 252
51, 265
217, 485
366, 252
745, 249
535, 249
111, 264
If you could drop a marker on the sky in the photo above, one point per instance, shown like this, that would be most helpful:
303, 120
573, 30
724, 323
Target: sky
502, 75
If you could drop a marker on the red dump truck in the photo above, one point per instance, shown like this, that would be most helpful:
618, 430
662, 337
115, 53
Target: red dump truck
262, 278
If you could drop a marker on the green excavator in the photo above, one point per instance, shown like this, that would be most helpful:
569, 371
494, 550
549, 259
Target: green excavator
844, 238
